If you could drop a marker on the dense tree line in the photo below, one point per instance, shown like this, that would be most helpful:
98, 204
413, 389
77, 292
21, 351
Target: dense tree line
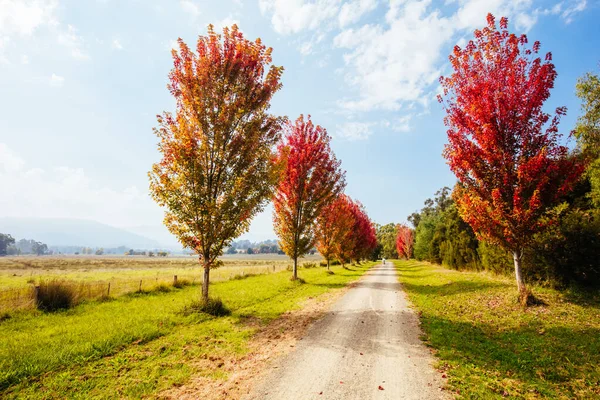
567, 252
11, 247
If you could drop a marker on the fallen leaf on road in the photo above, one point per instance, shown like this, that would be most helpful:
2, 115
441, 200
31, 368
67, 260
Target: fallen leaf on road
380, 387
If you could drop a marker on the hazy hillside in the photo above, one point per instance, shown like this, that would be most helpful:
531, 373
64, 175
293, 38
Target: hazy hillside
73, 232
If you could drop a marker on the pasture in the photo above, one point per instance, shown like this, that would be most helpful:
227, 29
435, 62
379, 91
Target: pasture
141, 344
125, 274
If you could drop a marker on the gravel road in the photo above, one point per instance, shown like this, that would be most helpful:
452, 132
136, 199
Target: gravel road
366, 347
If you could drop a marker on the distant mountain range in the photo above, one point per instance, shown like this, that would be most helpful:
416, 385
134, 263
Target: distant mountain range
75, 232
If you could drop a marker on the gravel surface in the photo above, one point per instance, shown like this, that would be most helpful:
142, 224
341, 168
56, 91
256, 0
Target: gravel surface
366, 347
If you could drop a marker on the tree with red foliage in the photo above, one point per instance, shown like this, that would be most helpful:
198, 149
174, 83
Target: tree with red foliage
218, 149
503, 148
363, 237
404, 241
311, 179
334, 224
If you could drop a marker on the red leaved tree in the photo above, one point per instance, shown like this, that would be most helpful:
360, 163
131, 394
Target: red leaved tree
311, 179
218, 150
363, 236
334, 224
503, 148
404, 241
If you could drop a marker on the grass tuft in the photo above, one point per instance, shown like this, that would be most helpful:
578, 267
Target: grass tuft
181, 283
55, 295
214, 307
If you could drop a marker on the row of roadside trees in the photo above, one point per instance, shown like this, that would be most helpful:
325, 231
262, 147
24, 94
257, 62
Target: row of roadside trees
224, 157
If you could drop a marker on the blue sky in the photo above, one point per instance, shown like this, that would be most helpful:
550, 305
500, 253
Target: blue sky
82, 81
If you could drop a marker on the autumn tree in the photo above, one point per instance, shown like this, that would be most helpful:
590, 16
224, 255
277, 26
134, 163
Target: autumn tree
363, 237
503, 148
404, 241
311, 179
218, 148
334, 224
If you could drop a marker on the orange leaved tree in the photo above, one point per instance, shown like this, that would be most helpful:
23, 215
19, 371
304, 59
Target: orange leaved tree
311, 178
334, 224
503, 148
404, 241
218, 166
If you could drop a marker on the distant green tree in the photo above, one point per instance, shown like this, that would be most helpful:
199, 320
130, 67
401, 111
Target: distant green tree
99, 251
587, 130
39, 248
250, 250
6, 241
386, 240
231, 250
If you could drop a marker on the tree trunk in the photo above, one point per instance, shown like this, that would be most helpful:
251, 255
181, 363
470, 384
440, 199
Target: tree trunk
328, 264
205, 282
517, 257
295, 273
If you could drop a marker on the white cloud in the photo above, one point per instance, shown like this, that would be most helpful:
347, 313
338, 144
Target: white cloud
571, 8
395, 63
9, 161
353, 10
306, 48
23, 17
116, 44
74, 42
293, 16
65, 192
228, 21
56, 80
190, 8
354, 130
24, 59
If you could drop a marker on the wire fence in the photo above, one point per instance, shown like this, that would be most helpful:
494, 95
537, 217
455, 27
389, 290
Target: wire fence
26, 297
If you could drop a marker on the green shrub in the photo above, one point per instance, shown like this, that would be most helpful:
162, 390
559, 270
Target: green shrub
56, 295
243, 275
569, 252
213, 307
163, 287
181, 283
309, 265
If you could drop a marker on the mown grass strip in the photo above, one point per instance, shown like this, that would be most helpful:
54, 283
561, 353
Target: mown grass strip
490, 347
152, 345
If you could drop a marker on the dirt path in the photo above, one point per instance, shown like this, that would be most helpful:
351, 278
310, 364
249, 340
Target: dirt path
366, 347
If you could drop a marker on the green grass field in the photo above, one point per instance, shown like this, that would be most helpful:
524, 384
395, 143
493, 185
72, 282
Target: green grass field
490, 347
138, 345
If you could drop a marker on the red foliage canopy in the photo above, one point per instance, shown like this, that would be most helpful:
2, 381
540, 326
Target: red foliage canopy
404, 241
503, 148
311, 180
363, 237
334, 224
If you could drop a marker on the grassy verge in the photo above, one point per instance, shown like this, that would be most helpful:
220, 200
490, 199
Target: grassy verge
490, 347
137, 345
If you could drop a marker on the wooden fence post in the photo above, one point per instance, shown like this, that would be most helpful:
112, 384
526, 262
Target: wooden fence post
108, 291
174, 280
36, 294
140, 289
